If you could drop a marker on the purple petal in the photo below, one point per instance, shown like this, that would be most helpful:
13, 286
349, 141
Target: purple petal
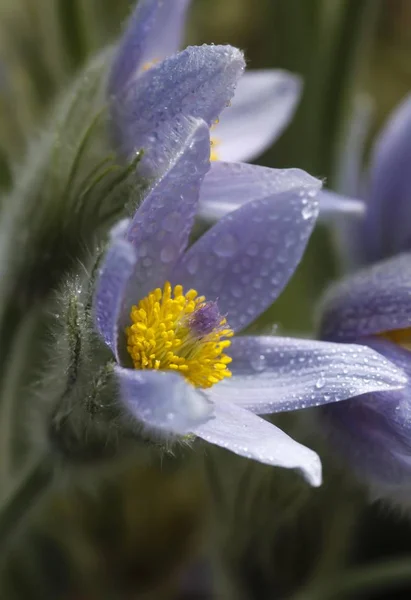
246, 434
374, 300
389, 208
162, 400
161, 227
227, 186
263, 105
246, 259
154, 31
278, 374
373, 432
197, 82
334, 207
114, 275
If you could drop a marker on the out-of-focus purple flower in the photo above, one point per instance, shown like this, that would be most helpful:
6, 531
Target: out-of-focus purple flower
237, 268
384, 228
373, 431
151, 82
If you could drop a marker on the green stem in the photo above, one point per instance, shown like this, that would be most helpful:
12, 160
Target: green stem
352, 50
380, 576
72, 32
25, 495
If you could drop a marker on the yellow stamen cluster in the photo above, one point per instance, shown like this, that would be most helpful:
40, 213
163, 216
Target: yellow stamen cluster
161, 337
402, 337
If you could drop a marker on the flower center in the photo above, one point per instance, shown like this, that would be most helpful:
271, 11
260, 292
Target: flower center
182, 332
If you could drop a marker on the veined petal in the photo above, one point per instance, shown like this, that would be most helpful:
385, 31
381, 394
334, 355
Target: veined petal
374, 300
198, 82
246, 259
335, 206
160, 228
273, 374
114, 275
154, 31
263, 105
162, 400
373, 431
388, 207
227, 186
246, 434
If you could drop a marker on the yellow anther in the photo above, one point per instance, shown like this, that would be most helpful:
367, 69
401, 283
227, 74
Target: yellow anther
213, 152
161, 336
147, 66
402, 337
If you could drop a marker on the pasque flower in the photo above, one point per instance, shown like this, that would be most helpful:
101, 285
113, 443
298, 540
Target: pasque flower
168, 313
373, 307
264, 100
151, 83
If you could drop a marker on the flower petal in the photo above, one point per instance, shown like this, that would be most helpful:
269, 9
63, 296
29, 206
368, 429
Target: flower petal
263, 105
246, 259
160, 228
389, 209
273, 374
246, 434
373, 431
197, 82
162, 400
113, 277
227, 186
154, 31
335, 206
374, 300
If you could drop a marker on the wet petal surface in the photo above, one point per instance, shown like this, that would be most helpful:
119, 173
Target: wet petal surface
114, 275
162, 400
227, 186
160, 228
248, 435
154, 31
374, 300
273, 374
197, 82
263, 105
246, 259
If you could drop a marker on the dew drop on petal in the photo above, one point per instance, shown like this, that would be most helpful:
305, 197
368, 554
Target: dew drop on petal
168, 253
226, 245
172, 222
320, 383
308, 212
258, 363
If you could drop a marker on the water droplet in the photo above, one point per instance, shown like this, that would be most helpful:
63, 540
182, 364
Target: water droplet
320, 383
226, 245
258, 363
172, 222
309, 211
192, 265
252, 250
168, 253
236, 291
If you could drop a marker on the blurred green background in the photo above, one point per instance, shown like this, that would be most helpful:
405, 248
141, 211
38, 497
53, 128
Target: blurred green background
217, 526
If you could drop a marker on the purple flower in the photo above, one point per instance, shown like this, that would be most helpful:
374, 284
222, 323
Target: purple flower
381, 228
151, 84
373, 431
167, 312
